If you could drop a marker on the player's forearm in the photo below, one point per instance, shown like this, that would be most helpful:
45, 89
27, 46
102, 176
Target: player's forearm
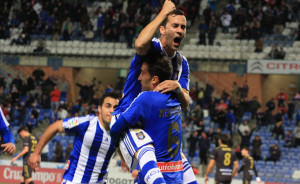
209, 168
48, 134
236, 166
184, 99
7, 136
143, 42
23, 152
116, 130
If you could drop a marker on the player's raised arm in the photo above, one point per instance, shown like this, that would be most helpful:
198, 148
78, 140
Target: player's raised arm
143, 42
35, 159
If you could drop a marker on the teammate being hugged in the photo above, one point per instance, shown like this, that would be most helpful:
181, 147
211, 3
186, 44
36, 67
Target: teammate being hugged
29, 142
248, 167
6, 135
160, 116
172, 26
92, 148
225, 160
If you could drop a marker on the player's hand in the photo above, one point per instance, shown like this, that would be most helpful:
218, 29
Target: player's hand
13, 160
135, 174
166, 86
206, 180
34, 162
236, 174
10, 148
124, 166
168, 7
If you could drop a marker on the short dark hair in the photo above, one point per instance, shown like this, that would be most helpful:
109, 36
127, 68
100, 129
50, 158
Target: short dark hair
159, 65
224, 138
246, 148
22, 128
174, 12
109, 94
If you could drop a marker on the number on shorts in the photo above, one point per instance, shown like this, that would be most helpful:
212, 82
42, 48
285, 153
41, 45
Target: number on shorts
227, 159
173, 139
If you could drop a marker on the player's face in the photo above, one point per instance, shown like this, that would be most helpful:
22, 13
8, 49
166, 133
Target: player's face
174, 31
244, 152
107, 108
145, 78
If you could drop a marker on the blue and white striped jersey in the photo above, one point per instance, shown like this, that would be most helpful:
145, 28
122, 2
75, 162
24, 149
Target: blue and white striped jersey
92, 150
3, 121
133, 87
6, 135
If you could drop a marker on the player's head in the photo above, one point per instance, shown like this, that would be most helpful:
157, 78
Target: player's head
173, 30
23, 132
154, 70
224, 139
107, 104
245, 151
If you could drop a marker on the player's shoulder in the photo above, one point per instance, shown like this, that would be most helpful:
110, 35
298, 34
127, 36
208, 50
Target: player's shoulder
146, 95
76, 121
182, 57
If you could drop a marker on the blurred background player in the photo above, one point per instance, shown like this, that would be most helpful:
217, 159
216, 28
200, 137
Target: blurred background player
6, 135
248, 167
163, 125
29, 143
87, 164
225, 160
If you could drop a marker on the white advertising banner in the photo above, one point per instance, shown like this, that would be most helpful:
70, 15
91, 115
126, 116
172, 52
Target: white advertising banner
273, 67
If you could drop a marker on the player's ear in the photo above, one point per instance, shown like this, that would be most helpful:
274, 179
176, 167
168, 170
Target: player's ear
99, 109
155, 80
162, 30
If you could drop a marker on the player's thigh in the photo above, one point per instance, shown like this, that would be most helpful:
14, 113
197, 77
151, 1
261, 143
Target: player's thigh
27, 171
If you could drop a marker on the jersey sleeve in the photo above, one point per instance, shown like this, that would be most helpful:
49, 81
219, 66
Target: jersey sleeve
76, 124
155, 48
3, 121
233, 156
136, 110
213, 154
5, 133
26, 141
184, 80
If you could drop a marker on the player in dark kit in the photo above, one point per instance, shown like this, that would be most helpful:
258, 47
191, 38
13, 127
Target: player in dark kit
225, 160
29, 142
248, 167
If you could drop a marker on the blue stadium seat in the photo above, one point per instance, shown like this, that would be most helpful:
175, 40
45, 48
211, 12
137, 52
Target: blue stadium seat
281, 180
279, 164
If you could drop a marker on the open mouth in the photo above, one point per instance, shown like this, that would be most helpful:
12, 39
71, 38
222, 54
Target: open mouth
177, 41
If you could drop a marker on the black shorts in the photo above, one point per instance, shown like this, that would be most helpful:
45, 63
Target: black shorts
222, 182
27, 171
246, 181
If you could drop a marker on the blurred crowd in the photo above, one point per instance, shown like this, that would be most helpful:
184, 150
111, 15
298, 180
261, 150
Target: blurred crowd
61, 20
252, 20
234, 113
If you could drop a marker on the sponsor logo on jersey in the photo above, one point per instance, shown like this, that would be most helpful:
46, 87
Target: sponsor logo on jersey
73, 122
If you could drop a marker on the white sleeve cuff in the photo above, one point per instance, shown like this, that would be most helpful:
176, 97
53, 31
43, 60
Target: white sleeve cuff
258, 179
